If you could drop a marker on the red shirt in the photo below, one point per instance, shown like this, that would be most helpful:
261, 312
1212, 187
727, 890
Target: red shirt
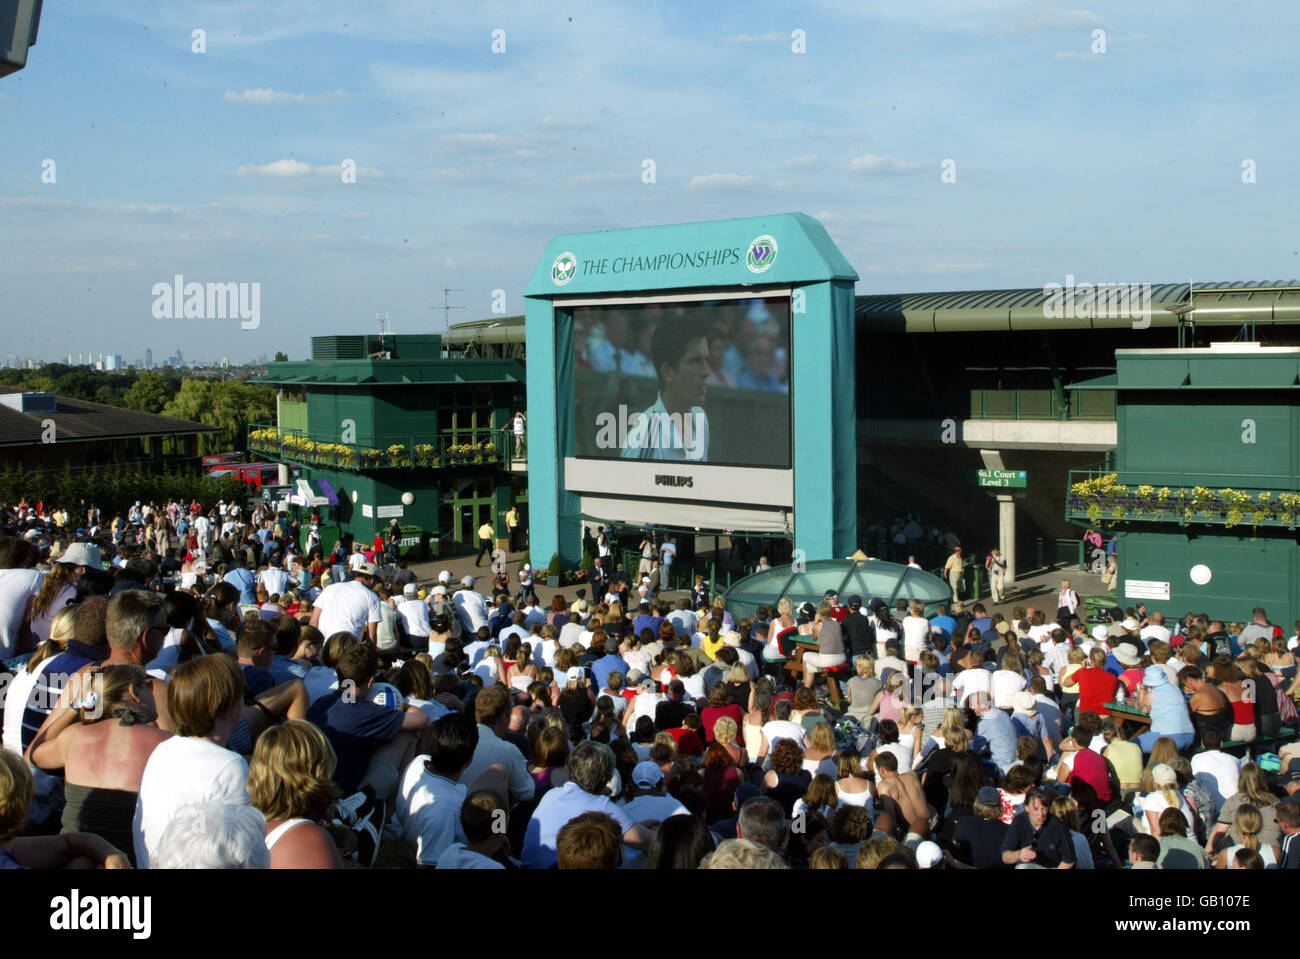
688, 741
1096, 688
1091, 768
712, 714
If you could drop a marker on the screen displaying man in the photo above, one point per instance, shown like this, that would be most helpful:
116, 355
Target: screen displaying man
676, 426
695, 381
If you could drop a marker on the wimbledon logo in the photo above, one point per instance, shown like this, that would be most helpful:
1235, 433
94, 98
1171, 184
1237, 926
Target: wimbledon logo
563, 269
761, 255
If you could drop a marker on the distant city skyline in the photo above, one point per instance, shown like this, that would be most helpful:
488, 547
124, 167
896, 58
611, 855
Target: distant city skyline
332, 161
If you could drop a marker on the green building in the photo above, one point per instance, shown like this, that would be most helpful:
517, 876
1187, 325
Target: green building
1204, 489
380, 427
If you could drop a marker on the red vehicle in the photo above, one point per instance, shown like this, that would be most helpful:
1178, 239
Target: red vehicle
221, 459
258, 475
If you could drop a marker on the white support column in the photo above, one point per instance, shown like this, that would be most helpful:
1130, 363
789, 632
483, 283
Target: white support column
1007, 535
1006, 517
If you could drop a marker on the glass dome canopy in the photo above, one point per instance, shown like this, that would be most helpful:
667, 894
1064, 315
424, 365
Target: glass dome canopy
870, 579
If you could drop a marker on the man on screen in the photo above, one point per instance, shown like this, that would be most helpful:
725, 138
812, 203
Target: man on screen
676, 426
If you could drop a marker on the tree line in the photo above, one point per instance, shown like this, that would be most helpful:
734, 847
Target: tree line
230, 405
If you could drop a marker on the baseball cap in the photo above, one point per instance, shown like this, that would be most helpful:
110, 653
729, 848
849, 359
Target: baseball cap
444, 576
82, 554
1292, 774
1003, 628
634, 677
366, 569
647, 774
467, 581
989, 796
928, 855
410, 589
527, 568
1130, 623
855, 601
440, 590
1163, 774
830, 594
1100, 633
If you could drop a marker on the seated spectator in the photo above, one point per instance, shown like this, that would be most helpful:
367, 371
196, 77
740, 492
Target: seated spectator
290, 780
205, 700
373, 742
680, 842
589, 841
742, 854
102, 746
484, 822
590, 768
1177, 849
67, 851
214, 835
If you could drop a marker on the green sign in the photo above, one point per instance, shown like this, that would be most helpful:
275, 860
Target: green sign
1002, 479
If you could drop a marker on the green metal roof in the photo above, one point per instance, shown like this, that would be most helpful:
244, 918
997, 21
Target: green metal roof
869, 579
358, 373
1231, 366
1231, 303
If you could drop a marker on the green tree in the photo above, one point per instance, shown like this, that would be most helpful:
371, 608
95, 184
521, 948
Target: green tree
150, 393
281, 356
78, 385
229, 406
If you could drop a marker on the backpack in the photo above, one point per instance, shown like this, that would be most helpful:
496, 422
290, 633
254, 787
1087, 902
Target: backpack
850, 734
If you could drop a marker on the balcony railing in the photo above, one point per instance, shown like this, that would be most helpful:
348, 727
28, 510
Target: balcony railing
439, 450
1102, 498
1045, 404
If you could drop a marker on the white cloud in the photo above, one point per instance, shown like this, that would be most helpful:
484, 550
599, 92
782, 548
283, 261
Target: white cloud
563, 123
296, 168
874, 163
267, 97
755, 38
722, 180
803, 162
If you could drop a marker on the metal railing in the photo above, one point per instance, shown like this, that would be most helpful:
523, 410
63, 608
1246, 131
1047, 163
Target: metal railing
1100, 497
437, 450
1042, 404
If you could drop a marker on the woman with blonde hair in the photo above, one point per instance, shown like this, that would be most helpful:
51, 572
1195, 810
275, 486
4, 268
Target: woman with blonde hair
911, 724
1164, 796
102, 760
1252, 790
15, 738
1249, 824
818, 799
819, 757
851, 784
863, 689
291, 781
724, 734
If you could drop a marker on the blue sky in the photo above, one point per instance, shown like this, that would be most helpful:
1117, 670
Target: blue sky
224, 166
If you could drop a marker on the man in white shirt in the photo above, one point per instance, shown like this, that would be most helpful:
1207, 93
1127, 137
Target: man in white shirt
745, 657
973, 678
193, 766
350, 607
545, 651
492, 711
357, 559
518, 627
274, 579
683, 619
781, 727
472, 606
649, 796
533, 614
572, 630
1215, 769
430, 795
1155, 629
1005, 683
18, 587
414, 612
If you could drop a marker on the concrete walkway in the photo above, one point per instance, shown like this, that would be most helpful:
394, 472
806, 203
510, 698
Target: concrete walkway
1037, 588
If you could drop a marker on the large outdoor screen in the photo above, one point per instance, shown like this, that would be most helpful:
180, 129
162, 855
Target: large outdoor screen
701, 382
